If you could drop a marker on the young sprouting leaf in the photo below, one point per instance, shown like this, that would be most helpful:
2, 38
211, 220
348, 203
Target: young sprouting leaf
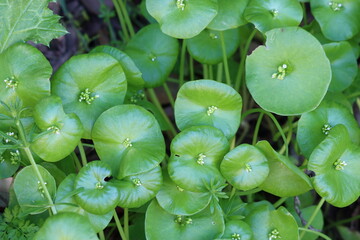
178, 201
29, 192
206, 47
129, 140
99, 196
282, 77
336, 164
343, 65
182, 18
24, 75
154, 53
196, 154
339, 20
270, 14
313, 127
23, 20
204, 225
64, 130
66, 225
230, 15
138, 189
65, 202
284, 179
245, 167
237, 230
207, 102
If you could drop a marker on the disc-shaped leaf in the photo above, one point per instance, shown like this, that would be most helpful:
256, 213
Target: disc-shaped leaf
132, 73
29, 192
204, 225
88, 85
237, 229
207, 102
182, 18
282, 77
154, 53
129, 139
98, 196
270, 14
245, 167
339, 20
206, 47
230, 15
343, 65
64, 131
284, 179
8, 163
336, 164
66, 225
313, 127
196, 154
178, 201
138, 189
25, 74
65, 202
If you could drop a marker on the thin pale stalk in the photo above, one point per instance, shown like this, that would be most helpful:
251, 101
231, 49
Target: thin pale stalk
121, 20
257, 127
205, 71
101, 235
126, 222
279, 202
182, 63
82, 153
219, 72
314, 232
119, 227
127, 18
226, 66
313, 215
169, 94
191, 67
211, 72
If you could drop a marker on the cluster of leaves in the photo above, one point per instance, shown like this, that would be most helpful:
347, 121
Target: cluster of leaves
97, 100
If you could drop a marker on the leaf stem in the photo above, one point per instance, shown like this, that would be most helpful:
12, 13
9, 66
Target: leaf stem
126, 222
314, 232
127, 19
121, 20
226, 66
252, 191
182, 63
82, 153
101, 235
219, 72
205, 71
313, 215
119, 227
76, 161
191, 67
169, 94
257, 127
279, 202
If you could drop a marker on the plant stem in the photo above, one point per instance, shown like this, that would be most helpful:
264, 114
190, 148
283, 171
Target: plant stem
226, 66
155, 100
205, 72
279, 202
314, 232
119, 227
182, 63
88, 145
126, 222
257, 127
211, 72
33, 164
313, 215
82, 154
77, 161
101, 235
341, 222
219, 72
355, 94
233, 191
244, 193
191, 67
121, 20
126, 16
169, 94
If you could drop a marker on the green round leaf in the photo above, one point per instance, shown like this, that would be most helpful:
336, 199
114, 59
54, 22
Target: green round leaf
182, 18
132, 73
206, 47
237, 230
160, 224
25, 74
178, 201
154, 53
138, 189
98, 196
336, 164
63, 131
270, 14
343, 65
8, 163
339, 20
284, 179
66, 225
88, 85
65, 202
282, 77
207, 102
245, 167
196, 154
230, 15
313, 127
29, 192
58, 175
129, 140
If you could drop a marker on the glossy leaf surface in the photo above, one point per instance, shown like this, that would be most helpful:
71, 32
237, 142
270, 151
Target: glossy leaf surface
237, 229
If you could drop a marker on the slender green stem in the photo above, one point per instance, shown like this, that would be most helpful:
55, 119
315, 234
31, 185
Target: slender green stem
205, 71
155, 100
314, 232
77, 161
226, 66
240, 73
252, 191
289, 134
191, 67
88, 145
313, 215
82, 153
121, 20
126, 222
233, 191
211, 72
219, 72
169, 94
127, 19
279, 202
27, 150
355, 94
257, 127
182, 63
119, 227
101, 235
341, 222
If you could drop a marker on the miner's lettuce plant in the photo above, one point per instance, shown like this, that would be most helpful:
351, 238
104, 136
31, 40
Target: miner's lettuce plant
200, 173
